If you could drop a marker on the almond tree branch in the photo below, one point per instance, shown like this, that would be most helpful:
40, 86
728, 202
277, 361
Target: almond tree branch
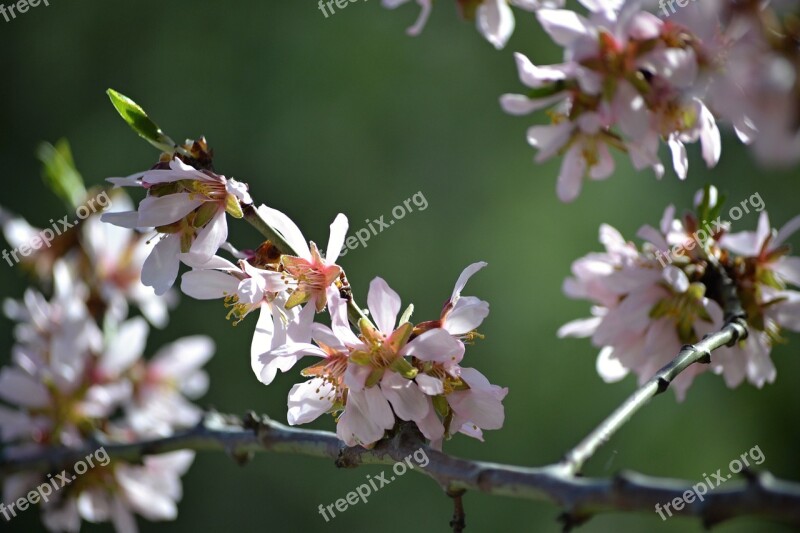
735, 330
760, 495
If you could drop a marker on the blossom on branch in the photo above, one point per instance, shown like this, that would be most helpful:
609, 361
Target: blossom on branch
394, 370
628, 81
71, 384
646, 307
188, 208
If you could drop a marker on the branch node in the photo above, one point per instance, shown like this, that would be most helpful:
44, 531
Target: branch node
254, 421
739, 323
241, 458
348, 457
663, 384
572, 519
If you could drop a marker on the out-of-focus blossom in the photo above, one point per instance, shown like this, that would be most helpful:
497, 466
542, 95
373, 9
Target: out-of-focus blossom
667, 79
628, 80
493, 18
116, 256
70, 385
110, 492
757, 87
425, 12
107, 259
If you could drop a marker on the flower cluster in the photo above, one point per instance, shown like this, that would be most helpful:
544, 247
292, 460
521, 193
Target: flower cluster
628, 81
388, 370
645, 309
393, 369
385, 371
188, 208
758, 90
77, 376
632, 80
107, 259
72, 384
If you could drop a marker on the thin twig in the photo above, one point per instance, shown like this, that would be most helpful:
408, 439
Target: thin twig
459, 521
700, 352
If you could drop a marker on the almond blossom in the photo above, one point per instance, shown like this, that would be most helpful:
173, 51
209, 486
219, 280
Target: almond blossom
188, 209
764, 271
111, 493
393, 370
107, 258
756, 91
309, 275
117, 256
646, 309
628, 80
66, 386
244, 288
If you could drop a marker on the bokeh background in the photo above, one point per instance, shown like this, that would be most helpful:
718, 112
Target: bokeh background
348, 114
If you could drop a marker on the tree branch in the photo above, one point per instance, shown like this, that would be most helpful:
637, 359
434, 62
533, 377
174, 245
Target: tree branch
760, 495
733, 332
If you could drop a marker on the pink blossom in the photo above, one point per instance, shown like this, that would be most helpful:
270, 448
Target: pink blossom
188, 208
628, 80
645, 310
391, 370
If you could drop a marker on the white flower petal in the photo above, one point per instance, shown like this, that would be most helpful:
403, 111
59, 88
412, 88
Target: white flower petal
208, 284
126, 347
468, 313
384, 304
408, 401
495, 21
307, 401
287, 229
210, 238
336, 239
161, 267
157, 211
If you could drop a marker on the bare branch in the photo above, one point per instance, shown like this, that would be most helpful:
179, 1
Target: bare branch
733, 332
759, 495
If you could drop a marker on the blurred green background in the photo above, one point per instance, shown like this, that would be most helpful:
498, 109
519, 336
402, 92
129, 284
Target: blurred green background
348, 114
